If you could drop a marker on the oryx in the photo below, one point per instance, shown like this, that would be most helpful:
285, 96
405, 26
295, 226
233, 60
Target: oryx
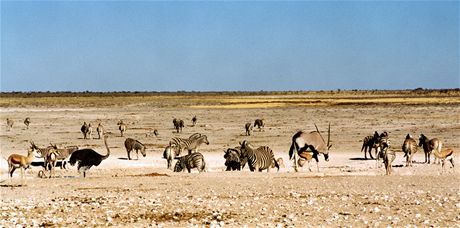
302, 141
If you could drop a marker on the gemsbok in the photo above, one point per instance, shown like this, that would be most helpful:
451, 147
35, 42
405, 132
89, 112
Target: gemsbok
429, 145
302, 141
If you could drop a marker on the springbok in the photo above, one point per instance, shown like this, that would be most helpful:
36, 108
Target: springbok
446, 154
302, 141
19, 161
429, 145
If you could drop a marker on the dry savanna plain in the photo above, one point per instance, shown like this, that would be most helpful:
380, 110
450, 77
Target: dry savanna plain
346, 191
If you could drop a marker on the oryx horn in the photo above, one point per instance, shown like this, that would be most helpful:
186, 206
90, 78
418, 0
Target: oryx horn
328, 135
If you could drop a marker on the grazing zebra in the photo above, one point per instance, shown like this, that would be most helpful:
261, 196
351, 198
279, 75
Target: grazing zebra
370, 142
100, 131
84, 130
409, 148
430, 145
178, 124
9, 123
190, 161
259, 123
169, 154
260, 158
194, 119
132, 144
27, 122
234, 159
190, 144
122, 127
248, 127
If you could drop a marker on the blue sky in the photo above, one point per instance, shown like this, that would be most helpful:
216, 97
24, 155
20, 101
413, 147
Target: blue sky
226, 46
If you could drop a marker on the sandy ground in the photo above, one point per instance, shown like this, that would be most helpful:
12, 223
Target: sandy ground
347, 190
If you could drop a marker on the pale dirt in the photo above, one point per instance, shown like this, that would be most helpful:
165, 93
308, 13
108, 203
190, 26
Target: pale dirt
347, 190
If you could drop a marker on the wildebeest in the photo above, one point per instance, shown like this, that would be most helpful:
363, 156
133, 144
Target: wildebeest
429, 145
132, 144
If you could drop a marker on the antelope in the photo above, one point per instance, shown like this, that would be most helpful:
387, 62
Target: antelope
19, 161
302, 141
9, 123
446, 154
51, 159
429, 145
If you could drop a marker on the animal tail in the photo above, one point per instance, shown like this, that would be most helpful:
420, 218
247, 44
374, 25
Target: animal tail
294, 145
364, 145
277, 165
107, 147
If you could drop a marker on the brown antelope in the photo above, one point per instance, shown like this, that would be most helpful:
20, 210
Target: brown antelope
409, 148
305, 157
429, 145
446, 154
302, 141
19, 161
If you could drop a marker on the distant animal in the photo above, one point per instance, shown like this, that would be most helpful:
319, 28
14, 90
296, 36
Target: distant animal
51, 160
258, 159
152, 133
409, 148
84, 130
89, 132
88, 158
248, 128
382, 145
191, 144
369, 142
259, 123
27, 122
194, 119
122, 127
190, 161
9, 123
100, 131
445, 154
169, 154
233, 159
302, 141
132, 144
16, 161
429, 146
178, 124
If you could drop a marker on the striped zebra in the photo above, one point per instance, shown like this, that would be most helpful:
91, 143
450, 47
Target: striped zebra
132, 144
190, 161
260, 158
169, 154
43, 152
369, 143
63, 154
382, 145
191, 144
409, 148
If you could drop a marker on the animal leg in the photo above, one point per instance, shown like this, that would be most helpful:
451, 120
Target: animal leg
295, 162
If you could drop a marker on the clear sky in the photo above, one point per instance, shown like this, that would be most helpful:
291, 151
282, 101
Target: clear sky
227, 46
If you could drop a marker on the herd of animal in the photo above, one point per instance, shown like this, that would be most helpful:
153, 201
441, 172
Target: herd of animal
305, 147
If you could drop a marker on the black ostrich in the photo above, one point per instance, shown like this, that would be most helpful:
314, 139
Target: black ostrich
88, 158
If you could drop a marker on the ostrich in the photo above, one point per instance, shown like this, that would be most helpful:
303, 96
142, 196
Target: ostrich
88, 158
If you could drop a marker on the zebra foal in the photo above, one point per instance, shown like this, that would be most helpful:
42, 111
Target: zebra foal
190, 161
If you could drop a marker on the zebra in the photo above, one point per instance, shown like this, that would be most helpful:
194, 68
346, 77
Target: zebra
409, 148
100, 130
248, 127
122, 127
234, 159
429, 146
190, 144
169, 154
178, 124
190, 161
382, 146
260, 158
388, 158
84, 130
259, 123
27, 122
370, 142
132, 144
9, 123
63, 154
194, 119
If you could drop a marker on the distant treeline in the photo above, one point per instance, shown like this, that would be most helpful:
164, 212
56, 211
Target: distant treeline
207, 93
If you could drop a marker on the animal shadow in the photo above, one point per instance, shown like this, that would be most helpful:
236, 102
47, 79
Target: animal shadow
360, 159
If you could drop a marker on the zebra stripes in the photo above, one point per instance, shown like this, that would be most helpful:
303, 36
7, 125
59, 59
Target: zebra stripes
260, 158
234, 160
191, 144
369, 142
190, 161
